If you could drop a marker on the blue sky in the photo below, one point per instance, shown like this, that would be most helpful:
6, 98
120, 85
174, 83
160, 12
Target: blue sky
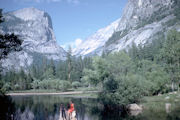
73, 20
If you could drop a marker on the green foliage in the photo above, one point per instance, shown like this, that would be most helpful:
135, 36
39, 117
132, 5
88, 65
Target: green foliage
57, 84
6, 87
76, 84
1, 17
64, 85
69, 61
169, 54
119, 64
9, 43
131, 89
159, 81
111, 73
90, 76
125, 79
35, 84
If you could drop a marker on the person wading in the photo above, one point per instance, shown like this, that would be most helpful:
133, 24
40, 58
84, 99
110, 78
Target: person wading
71, 109
63, 112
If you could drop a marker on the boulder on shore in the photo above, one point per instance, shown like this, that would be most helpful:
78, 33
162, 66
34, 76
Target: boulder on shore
134, 107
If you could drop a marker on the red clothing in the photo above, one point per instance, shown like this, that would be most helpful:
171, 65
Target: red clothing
71, 109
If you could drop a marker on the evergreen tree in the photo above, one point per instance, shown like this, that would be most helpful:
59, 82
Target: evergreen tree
52, 65
69, 60
170, 54
62, 70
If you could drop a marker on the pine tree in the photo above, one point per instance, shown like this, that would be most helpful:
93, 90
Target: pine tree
69, 60
170, 55
53, 67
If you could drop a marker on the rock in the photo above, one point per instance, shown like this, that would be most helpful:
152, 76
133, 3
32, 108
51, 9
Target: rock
135, 112
168, 107
172, 93
167, 97
176, 100
133, 107
178, 96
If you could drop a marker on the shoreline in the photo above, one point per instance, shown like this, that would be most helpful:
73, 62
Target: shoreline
50, 93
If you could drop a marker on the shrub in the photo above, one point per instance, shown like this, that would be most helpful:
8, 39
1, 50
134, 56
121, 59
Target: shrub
6, 87
35, 84
17, 87
64, 85
76, 84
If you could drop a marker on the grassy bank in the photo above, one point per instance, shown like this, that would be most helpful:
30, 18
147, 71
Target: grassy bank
158, 103
165, 98
80, 93
84, 89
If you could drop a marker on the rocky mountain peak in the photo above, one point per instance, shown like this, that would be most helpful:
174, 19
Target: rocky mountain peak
33, 14
35, 28
142, 21
139, 10
92, 44
29, 14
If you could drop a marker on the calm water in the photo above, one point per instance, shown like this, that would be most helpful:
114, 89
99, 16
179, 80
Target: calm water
47, 108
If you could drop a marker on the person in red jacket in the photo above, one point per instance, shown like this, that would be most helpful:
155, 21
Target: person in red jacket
71, 109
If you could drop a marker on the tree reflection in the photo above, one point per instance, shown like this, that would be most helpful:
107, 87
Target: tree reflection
7, 107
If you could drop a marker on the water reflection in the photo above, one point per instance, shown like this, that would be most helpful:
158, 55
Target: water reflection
47, 108
6, 107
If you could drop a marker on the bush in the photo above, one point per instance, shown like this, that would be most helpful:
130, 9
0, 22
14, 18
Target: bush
64, 85
85, 81
6, 87
125, 90
76, 84
17, 87
51, 84
35, 84
159, 80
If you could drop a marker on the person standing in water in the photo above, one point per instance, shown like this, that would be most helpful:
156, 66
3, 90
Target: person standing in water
71, 109
63, 112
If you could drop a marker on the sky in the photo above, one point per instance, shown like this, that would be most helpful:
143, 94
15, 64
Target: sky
73, 20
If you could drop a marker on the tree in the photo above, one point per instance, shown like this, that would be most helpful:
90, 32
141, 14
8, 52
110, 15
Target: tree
69, 61
170, 56
8, 43
62, 70
112, 73
53, 67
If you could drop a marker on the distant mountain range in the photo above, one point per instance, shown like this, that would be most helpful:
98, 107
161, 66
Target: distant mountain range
142, 21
